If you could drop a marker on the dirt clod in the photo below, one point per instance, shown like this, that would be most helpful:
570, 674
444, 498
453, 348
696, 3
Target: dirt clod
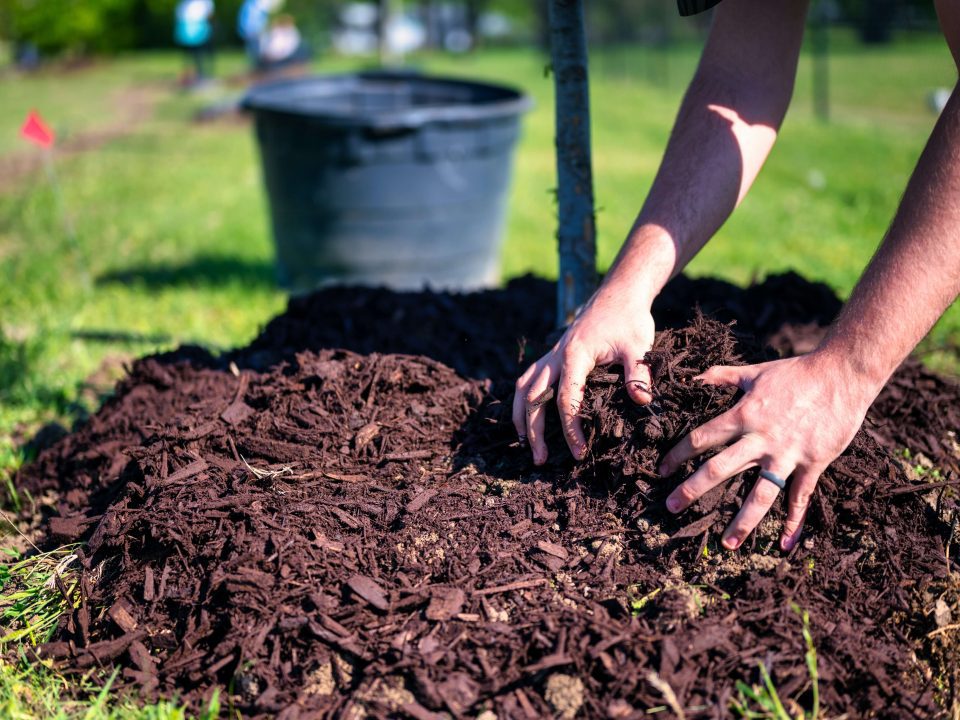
565, 695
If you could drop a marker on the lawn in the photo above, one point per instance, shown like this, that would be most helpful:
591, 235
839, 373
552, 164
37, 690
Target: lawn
172, 244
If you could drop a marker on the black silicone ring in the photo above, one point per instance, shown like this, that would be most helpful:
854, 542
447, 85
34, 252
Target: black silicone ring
775, 479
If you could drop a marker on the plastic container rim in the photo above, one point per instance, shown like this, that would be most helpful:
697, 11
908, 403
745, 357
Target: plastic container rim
515, 102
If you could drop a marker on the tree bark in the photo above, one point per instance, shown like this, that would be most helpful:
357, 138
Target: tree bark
820, 38
387, 11
576, 233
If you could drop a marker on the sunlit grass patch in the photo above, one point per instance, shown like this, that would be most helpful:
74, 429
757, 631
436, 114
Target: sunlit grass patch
29, 691
11, 458
34, 592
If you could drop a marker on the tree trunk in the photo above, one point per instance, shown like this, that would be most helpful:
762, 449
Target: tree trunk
388, 10
541, 9
576, 234
876, 24
475, 9
820, 38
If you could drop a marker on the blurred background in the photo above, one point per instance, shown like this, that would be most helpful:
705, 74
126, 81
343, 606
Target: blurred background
146, 226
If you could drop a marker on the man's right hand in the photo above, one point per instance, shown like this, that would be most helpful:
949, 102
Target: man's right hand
614, 327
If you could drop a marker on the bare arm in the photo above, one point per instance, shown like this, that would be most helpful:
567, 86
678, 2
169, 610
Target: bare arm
798, 414
727, 124
915, 274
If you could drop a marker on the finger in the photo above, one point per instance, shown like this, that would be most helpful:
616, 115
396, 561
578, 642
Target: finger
801, 489
727, 375
520, 399
722, 466
756, 506
573, 377
639, 384
536, 410
719, 431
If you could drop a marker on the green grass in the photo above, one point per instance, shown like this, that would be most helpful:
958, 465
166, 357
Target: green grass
172, 238
28, 692
34, 592
172, 242
763, 701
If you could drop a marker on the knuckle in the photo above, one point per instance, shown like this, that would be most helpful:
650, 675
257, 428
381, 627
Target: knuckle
697, 438
743, 417
687, 494
800, 500
766, 493
716, 468
568, 354
528, 373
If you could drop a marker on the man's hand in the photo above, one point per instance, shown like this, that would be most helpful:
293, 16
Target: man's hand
614, 327
725, 128
795, 417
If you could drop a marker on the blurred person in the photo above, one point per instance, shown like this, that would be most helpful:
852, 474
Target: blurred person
796, 415
282, 45
253, 22
193, 30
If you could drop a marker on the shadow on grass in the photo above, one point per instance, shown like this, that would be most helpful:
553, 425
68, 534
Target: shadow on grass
123, 337
20, 383
202, 271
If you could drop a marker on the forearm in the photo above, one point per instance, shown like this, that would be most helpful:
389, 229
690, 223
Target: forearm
915, 274
725, 128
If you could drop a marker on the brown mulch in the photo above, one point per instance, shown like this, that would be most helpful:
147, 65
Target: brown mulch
337, 521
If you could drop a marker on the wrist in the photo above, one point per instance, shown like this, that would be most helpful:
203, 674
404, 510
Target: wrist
645, 263
863, 373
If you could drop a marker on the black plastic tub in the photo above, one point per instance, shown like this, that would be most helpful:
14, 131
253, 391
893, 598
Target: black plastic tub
386, 179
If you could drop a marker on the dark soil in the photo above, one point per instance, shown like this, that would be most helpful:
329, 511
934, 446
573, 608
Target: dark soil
337, 521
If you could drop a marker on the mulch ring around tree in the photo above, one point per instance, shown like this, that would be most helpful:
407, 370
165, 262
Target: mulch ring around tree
337, 521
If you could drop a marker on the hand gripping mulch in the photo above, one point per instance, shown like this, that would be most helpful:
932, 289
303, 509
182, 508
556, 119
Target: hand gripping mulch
346, 527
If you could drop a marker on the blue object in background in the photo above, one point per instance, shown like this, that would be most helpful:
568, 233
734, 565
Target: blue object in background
194, 23
251, 25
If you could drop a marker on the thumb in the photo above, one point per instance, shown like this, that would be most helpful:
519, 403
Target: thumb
636, 376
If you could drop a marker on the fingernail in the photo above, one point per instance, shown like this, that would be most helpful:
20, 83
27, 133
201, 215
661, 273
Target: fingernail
731, 543
580, 452
673, 504
787, 544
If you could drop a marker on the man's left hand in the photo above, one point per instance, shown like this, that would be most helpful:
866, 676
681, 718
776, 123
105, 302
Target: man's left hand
795, 417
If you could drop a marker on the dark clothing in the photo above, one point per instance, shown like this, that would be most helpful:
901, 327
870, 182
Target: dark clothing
202, 56
692, 7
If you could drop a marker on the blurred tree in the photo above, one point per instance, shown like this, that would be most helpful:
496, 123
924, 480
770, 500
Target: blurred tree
103, 26
73, 26
80, 27
876, 20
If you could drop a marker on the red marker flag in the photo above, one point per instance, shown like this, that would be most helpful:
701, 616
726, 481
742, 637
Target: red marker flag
35, 130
